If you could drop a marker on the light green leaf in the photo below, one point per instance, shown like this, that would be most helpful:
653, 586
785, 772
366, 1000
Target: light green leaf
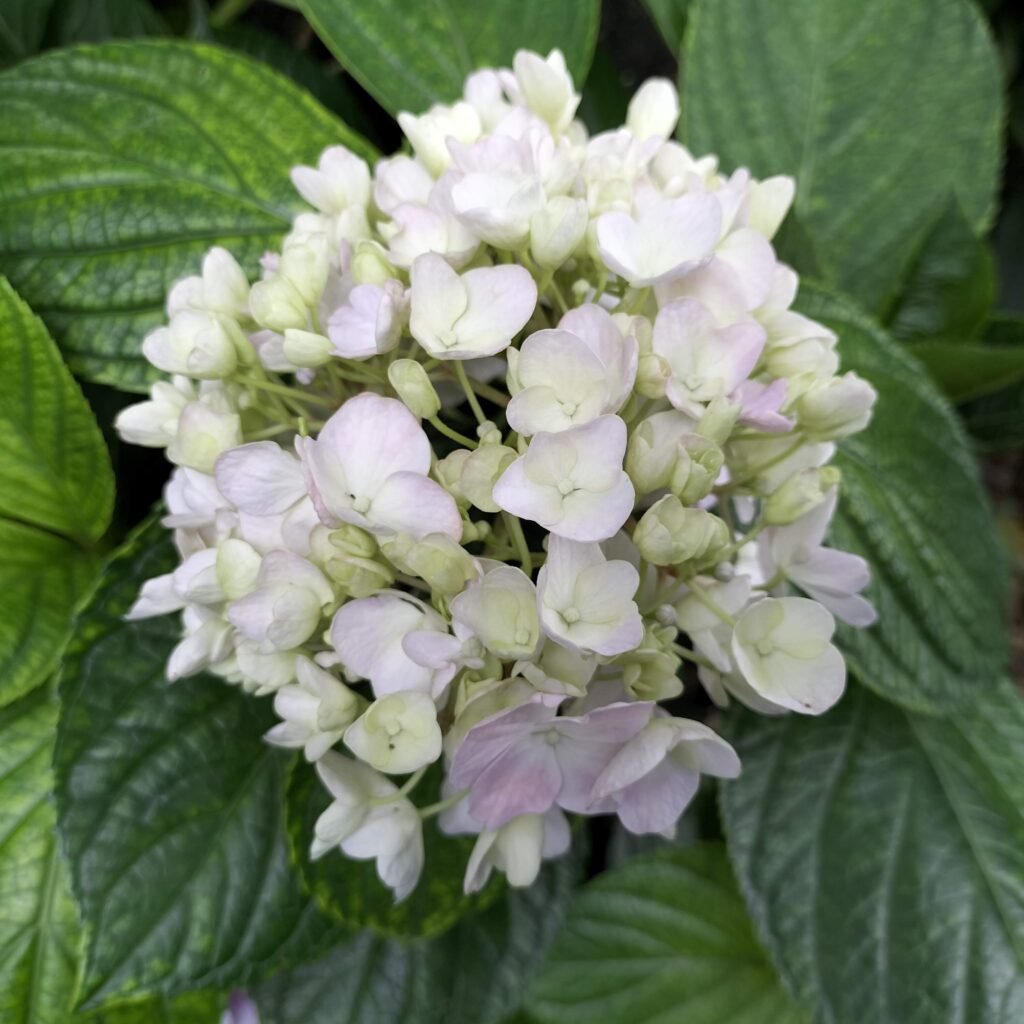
882, 857
123, 163
476, 973
350, 890
191, 1008
880, 110
56, 495
663, 938
171, 810
913, 506
408, 56
39, 934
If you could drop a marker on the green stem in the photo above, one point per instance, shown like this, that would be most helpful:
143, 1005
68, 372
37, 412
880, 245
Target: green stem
687, 655
228, 11
452, 435
558, 296
463, 379
515, 530
286, 392
711, 604
442, 805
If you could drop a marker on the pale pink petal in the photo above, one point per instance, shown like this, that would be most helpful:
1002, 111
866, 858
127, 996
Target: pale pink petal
260, 478
415, 504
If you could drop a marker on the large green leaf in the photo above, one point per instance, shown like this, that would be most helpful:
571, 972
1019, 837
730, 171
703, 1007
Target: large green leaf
408, 56
190, 1008
882, 857
664, 938
912, 504
949, 287
56, 494
474, 974
171, 810
123, 163
350, 890
39, 934
880, 110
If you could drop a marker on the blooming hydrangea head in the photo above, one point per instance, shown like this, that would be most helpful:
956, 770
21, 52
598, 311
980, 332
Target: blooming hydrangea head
514, 440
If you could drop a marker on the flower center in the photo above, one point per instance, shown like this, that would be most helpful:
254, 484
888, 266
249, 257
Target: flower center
571, 615
522, 636
764, 647
566, 487
361, 505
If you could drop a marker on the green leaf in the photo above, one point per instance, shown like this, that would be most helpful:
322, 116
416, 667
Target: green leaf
191, 1008
56, 496
670, 17
123, 164
913, 506
475, 973
663, 938
948, 291
22, 24
171, 809
408, 56
54, 467
350, 890
39, 934
95, 21
882, 857
880, 110
996, 422
971, 371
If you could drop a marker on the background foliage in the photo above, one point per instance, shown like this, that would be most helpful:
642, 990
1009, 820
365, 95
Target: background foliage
867, 866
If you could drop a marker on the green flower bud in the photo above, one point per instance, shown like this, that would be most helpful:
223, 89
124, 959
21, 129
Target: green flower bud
650, 672
370, 264
719, 418
348, 555
413, 387
799, 495
669, 533
276, 304
697, 467
836, 408
437, 559
304, 348
470, 476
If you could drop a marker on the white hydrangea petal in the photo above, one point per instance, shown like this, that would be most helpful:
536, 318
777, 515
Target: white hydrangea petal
260, 478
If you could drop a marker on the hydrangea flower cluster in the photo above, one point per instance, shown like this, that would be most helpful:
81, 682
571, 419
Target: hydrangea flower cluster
510, 429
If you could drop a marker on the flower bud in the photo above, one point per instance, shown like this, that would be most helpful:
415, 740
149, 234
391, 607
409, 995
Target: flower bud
719, 418
413, 387
671, 534
836, 408
650, 671
154, 423
437, 559
305, 264
556, 230
195, 344
276, 304
238, 565
203, 434
348, 556
546, 87
697, 467
800, 494
370, 264
653, 110
305, 348
813, 358
397, 733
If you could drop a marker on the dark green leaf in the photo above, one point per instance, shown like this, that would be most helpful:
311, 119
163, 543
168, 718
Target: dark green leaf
950, 285
171, 810
880, 111
670, 17
970, 371
39, 935
408, 56
22, 24
350, 891
663, 938
996, 422
95, 21
882, 857
123, 164
913, 506
56, 495
475, 973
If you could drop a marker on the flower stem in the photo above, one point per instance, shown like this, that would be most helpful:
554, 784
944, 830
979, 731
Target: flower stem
463, 379
442, 805
515, 530
452, 435
710, 603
